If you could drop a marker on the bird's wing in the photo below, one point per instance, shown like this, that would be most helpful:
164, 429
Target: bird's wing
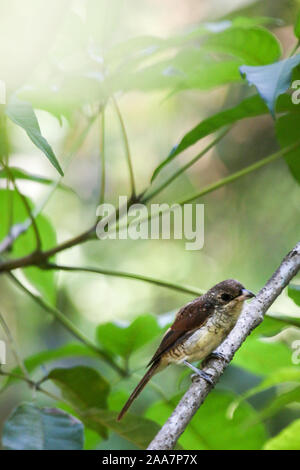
189, 319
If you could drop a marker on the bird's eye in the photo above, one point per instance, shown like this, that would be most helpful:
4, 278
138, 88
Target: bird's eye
226, 297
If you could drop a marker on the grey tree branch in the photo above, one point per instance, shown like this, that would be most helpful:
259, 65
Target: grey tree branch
252, 316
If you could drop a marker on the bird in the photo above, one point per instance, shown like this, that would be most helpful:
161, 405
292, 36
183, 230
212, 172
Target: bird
198, 329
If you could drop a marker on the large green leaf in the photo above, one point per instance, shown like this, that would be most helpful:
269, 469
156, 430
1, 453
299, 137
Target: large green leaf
135, 429
286, 320
190, 68
22, 114
261, 356
287, 132
287, 439
83, 387
33, 428
249, 107
272, 325
254, 45
25, 244
130, 339
211, 75
211, 428
271, 80
294, 291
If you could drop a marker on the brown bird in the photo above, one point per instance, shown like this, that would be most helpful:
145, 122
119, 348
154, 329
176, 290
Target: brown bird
199, 328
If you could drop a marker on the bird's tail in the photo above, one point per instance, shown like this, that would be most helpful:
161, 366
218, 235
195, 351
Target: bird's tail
139, 388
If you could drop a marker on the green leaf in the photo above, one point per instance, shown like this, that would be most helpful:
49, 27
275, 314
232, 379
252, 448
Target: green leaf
294, 292
264, 357
261, 357
272, 325
287, 439
287, 133
222, 432
297, 27
117, 399
135, 429
18, 173
271, 80
32, 428
249, 107
43, 280
211, 75
286, 321
83, 387
254, 45
130, 339
22, 114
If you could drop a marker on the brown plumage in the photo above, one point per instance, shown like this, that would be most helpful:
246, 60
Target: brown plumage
198, 329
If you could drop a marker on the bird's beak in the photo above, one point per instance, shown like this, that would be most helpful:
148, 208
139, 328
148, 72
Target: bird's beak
247, 294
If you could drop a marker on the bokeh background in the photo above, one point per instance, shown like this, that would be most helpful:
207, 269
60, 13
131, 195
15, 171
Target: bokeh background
249, 225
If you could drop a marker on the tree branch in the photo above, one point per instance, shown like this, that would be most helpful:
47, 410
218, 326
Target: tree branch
138, 277
40, 257
251, 317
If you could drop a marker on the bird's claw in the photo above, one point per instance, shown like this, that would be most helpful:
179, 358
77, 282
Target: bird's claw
214, 355
203, 375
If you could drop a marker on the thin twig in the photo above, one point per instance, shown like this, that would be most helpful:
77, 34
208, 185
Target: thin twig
239, 174
251, 317
127, 149
102, 156
182, 169
138, 277
293, 51
214, 186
